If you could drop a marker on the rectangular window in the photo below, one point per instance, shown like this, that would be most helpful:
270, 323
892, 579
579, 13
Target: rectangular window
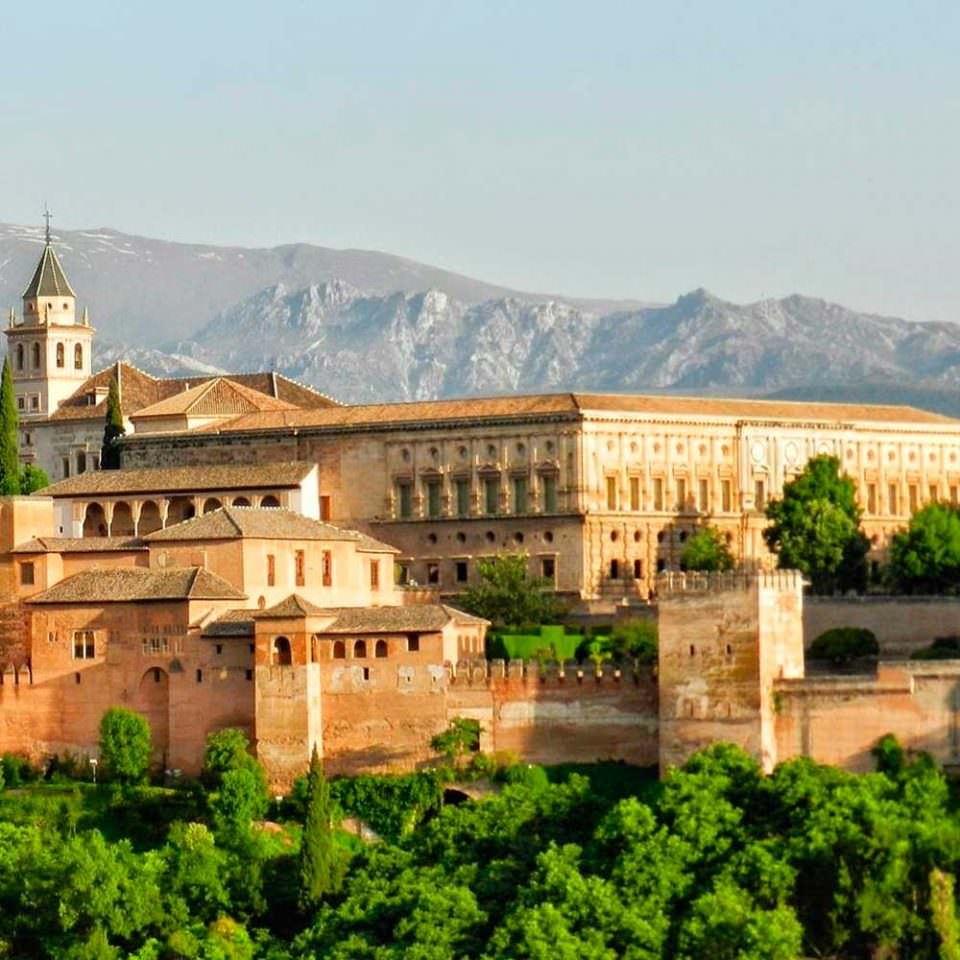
404, 500
934, 493
726, 496
199, 675
462, 490
374, 574
892, 499
84, 647
327, 568
637, 569
491, 494
703, 495
300, 568
681, 503
759, 494
461, 571
81, 462
549, 482
26, 574
519, 494
871, 498
914, 495
634, 493
155, 646
413, 643
658, 493
326, 509
954, 495
402, 573
611, 493
433, 573
271, 570
34, 402
65, 467
21, 404
433, 498
548, 569
614, 569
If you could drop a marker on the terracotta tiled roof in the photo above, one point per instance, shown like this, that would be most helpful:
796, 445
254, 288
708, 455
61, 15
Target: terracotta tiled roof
80, 545
418, 617
267, 523
292, 607
139, 390
233, 623
575, 406
221, 397
223, 476
130, 584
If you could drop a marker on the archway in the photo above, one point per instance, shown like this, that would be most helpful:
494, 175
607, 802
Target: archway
211, 504
270, 501
152, 700
180, 509
380, 650
122, 523
241, 502
360, 650
149, 518
339, 650
282, 656
94, 521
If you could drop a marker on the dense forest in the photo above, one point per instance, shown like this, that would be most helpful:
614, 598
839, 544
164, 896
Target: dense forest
592, 863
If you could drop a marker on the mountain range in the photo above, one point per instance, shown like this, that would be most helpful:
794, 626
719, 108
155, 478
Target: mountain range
365, 326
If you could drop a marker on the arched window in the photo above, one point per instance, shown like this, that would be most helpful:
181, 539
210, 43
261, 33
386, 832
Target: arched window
281, 652
60, 360
360, 650
381, 648
339, 650
270, 501
36, 356
19, 356
78, 356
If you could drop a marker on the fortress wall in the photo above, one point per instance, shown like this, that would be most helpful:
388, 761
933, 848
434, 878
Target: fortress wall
837, 720
901, 624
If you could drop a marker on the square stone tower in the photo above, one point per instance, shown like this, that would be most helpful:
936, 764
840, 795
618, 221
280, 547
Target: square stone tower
724, 640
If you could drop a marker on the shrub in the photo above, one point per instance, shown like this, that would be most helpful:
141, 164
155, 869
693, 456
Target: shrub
529, 775
843, 644
124, 745
634, 640
942, 648
16, 770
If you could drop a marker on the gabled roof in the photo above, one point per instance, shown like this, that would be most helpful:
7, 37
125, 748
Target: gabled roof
573, 407
420, 617
159, 480
233, 623
49, 280
128, 584
139, 390
80, 545
220, 397
291, 608
265, 523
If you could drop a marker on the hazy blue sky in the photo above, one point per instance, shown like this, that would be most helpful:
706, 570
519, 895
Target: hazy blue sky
620, 149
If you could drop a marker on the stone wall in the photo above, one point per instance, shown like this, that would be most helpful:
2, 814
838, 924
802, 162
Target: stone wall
901, 624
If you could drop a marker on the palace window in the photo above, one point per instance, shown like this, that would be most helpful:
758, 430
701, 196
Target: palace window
461, 489
154, 646
892, 499
35, 402
84, 647
681, 492
404, 499
300, 568
548, 569
934, 493
65, 466
60, 355
401, 572
759, 494
327, 568
433, 574
611, 493
549, 482
21, 403
954, 494
658, 493
519, 494
703, 495
36, 356
637, 569
27, 574
81, 462
726, 496
634, 493
271, 570
433, 497
374, 574
78, 357
491, 494
614, 569
871, 498
461, 571
914, 494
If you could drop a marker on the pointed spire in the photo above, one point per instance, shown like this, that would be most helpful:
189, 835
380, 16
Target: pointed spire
86, 317
47, 215
49, 280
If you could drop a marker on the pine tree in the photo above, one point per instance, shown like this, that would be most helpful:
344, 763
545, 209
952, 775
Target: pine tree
9, 456
321, 866
113, 430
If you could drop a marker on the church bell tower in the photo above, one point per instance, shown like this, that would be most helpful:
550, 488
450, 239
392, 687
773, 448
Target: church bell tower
48, 347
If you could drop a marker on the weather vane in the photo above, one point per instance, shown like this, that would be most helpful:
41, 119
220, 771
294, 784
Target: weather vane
46, 216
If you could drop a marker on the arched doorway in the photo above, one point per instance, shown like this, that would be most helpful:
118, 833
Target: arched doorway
122, 523
152, 700
282, 656
212, 503
149, 518
94, 521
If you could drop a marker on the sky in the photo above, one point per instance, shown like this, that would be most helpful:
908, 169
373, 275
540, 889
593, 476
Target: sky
631, 150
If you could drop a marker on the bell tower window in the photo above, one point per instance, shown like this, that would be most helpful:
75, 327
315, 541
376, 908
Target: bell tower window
60, 352
36, 356
19, 356
78, 357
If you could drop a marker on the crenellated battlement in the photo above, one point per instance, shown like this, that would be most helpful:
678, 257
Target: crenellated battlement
674, 585
532, 673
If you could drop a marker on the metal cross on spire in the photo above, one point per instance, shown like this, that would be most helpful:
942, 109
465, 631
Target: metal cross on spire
47, 215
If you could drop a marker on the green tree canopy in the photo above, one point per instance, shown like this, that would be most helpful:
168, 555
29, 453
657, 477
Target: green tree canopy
9, 453
321, 863
461, 736
124, 745
33, 478
507, 595
706, 550
815, 528
925, 558
113, 430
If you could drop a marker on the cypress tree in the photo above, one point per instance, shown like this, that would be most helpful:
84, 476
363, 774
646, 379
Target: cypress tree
321, 870
113, 430
9, 455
